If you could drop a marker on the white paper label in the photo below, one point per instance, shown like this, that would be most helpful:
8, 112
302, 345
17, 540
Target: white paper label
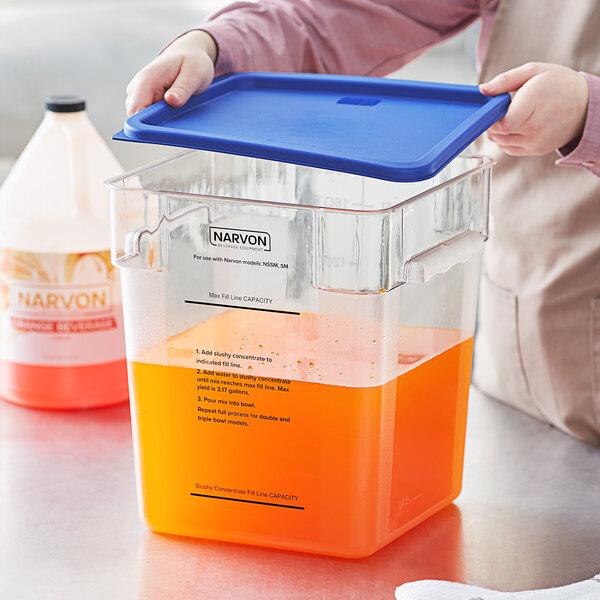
60, 309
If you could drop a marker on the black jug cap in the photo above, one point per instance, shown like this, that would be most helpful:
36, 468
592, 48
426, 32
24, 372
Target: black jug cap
65, 103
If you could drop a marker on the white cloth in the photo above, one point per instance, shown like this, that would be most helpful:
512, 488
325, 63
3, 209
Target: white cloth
447, 590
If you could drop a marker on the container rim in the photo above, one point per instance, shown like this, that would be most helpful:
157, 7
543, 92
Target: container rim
112, 183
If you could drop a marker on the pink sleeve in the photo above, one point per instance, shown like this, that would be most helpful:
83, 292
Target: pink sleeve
358, 37
586, 153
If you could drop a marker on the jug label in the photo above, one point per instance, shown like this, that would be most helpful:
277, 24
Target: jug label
59, 309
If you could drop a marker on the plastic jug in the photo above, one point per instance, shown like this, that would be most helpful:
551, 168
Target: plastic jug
300, 307
61, 324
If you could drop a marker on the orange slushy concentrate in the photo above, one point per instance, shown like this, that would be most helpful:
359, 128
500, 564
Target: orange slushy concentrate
299, 432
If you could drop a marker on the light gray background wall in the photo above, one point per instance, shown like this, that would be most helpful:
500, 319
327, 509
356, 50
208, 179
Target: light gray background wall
93, 48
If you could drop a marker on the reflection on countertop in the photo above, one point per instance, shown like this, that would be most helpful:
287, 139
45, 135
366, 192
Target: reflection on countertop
527, 517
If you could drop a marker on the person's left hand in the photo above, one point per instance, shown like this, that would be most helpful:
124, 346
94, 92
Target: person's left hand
547, 111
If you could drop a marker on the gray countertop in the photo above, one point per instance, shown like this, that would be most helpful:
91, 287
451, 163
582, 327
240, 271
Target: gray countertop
528, 516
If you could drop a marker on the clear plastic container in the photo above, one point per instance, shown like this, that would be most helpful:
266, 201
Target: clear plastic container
299, 345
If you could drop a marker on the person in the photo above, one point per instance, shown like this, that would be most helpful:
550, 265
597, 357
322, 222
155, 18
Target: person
538, 341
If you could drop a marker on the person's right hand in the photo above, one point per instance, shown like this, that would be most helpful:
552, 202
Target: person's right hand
184, 68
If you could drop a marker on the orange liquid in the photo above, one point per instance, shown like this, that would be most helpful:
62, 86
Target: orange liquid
341, 470
64, 387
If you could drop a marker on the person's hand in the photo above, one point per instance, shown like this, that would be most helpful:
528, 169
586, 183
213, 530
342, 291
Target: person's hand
184, 68
547, 111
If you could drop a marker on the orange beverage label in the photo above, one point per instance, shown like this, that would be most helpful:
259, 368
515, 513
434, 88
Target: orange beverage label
60, 309
318, 461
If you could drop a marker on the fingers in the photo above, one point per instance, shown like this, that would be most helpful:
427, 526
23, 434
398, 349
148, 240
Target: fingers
522, 108
140, 99
174, 78
517, 151
143, 90
194, 76
183, 86
514, 143
510, 139
148, 86
186, 67
548, 108
520, 111
512, 80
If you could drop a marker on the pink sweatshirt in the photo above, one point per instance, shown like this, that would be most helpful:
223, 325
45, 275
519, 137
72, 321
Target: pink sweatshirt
362, 37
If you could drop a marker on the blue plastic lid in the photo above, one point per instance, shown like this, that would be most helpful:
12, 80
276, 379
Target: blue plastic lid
385, 128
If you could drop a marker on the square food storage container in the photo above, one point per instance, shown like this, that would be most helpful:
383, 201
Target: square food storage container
299, 343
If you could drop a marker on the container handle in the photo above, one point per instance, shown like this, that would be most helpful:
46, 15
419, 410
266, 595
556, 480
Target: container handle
439, 259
